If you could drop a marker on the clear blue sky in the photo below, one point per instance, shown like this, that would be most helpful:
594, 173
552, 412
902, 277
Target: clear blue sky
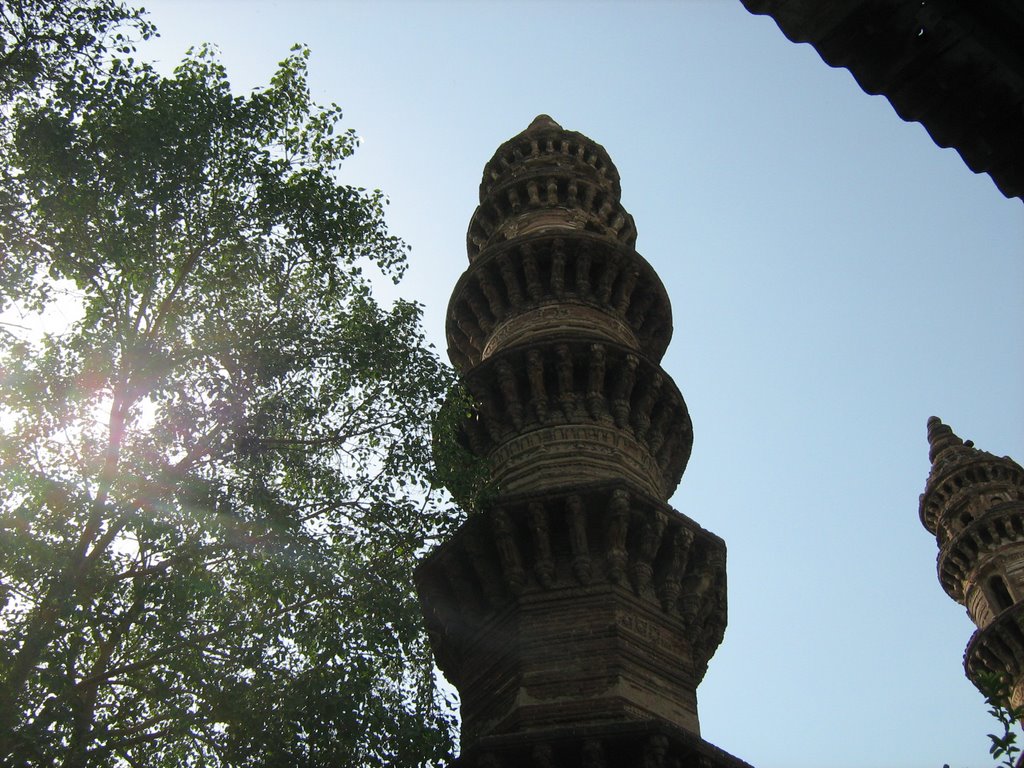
836, 278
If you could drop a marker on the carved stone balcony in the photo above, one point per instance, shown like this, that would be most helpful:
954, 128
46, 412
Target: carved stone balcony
522, 289
999, 649
598, 604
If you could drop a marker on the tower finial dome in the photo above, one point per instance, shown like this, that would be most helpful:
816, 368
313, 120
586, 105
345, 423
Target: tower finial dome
940, 438
543, 122
546, 178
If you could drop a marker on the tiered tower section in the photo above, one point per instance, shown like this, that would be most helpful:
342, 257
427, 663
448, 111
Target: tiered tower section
575, 610
974, 504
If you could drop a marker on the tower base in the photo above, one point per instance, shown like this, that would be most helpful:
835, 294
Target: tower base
639, 745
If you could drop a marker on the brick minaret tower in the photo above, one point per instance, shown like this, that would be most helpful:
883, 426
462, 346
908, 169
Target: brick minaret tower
575, 610
974, 504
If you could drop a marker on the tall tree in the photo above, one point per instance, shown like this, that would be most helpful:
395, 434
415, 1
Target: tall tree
214, 480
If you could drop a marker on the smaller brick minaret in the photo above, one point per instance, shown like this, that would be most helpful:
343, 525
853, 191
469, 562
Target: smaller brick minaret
974, 504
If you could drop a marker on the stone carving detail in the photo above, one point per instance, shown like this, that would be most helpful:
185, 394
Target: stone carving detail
573, 178
538, 392
612, 291
649, 543
530, 271
544, 566
623, 390
507, 383
558, 268
593, 754
538, 459
642, 411
596, 402
618, 525
543, 756
461, 583
511, 279
566, 391
669, 589
490, 581
655, 751
581, 565
541, 322
490, 291
574, 599
511, 563
592, 390
973, 503
583, 260
633, 542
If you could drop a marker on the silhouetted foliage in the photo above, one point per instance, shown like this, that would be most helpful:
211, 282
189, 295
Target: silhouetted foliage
997, 691
42, 42
213, 481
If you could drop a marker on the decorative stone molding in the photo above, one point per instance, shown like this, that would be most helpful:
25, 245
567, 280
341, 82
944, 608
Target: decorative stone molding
958, 558
567, 206
546, 142
973, 503
599, 536
547, 178
641, 745
574, 596
983, 478
601, 532
621, 416
601, 289
559, 318
999, 649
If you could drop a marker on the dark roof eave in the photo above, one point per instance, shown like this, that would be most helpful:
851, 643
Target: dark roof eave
942, 64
